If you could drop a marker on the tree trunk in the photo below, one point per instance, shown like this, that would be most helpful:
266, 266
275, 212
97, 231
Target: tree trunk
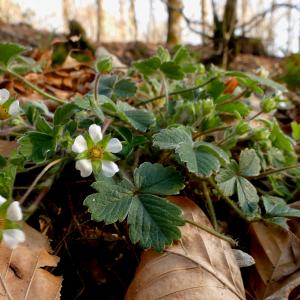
122, 20
174, 22
132, 17
100, 21
289, 28
244, 14
203, 5
67, 4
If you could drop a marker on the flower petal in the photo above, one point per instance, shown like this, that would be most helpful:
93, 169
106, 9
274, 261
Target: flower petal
14, 212
79, 144
84, 166
109, 168
4, 95
2, 200
12, 237
114, 146
95, 133
14, 108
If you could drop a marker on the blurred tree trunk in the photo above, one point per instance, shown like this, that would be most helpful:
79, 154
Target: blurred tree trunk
270, 38
244, 14
66, 5
289, 27
100, 20
132, 17
122, 20
203, 4
174, 22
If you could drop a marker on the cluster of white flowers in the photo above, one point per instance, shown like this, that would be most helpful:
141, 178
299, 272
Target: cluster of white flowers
11, 236
8, 107
95, 153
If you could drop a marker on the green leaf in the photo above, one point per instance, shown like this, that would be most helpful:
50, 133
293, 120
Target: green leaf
198, 161
42, 125
172, 70
281, 140
181, 55
9, 51
163, 54
64, 112
125, 88
104, 65
148, 66
106, 85
212, 149
249, 163
36, 146
295, 130
138, 118
111, 203
247, 195
7, 179
170, 138
156, 179
154, 221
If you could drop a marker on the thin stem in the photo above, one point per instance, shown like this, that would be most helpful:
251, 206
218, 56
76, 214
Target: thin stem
212, 130
270, 172
212, 231
9, 296
240, 95
34, 87
178, 92
210, 206
227, 199
37, 179
166, 93
255, 116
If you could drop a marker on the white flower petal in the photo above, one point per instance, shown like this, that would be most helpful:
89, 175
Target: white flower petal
14, 108
114, 146
109, 168
4, 95
2, 200
79, 144
14, 212
84, 166
95, 133
12, 237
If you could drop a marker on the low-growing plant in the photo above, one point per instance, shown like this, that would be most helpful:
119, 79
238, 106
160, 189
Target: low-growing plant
166, 126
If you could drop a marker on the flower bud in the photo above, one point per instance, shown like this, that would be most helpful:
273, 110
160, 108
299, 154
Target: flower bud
268, 105
242, 128
261, 134
207, 106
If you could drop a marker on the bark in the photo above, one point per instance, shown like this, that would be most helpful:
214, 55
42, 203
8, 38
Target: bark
100, 20
133, 21
204, 20
174, 22
67, 4
122, 20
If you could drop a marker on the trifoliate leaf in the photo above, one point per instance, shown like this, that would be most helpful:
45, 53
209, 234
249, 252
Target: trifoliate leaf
8, 52
170, 138
148, 66
156, 179
125, 88
42, 125
249, 163
154, 221
106, 85
181, 55
163, 54
227, 178
63, 113
111, 203
281, 140
213, 149
198, 161
172, 70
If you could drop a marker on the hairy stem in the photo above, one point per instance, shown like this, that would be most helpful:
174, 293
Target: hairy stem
177, 92
210, 206
240, 95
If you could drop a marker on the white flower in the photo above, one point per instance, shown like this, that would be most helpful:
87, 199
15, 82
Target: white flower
94, 153
11, 236
263, 72
8, 108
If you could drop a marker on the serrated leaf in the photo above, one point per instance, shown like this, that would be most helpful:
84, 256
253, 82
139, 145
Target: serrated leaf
125, 88
9, 51
170, 138
148, 66
42, 125
249, 163
154, 221
111, 203
181, 55
163, 54
36, 146
172, 70
247, 195
213, 149
106, 85
281, 140
63, 113
158, 180
7, 179
198, 161
104, 65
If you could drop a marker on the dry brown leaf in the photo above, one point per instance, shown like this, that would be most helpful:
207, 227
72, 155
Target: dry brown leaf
200, 266
6, 147
277, 255
22, 269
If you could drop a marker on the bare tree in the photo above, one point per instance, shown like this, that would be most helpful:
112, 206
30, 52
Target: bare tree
289, 27
203, 5
133, 21
100, 20
174, 22
66, 6
122, 19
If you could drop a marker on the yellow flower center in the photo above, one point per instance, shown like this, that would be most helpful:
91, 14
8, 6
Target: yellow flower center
3, 113
96, 153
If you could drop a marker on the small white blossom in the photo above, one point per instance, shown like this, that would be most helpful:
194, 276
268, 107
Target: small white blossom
263, 72
11, 236
94, 153
8, 108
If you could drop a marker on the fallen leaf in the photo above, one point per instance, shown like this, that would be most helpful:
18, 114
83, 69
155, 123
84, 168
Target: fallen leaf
22, 269
276, 251
6, 147
199, 266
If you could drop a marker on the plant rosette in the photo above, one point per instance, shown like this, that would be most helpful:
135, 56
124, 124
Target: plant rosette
10, 233
8, 106
95, 153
